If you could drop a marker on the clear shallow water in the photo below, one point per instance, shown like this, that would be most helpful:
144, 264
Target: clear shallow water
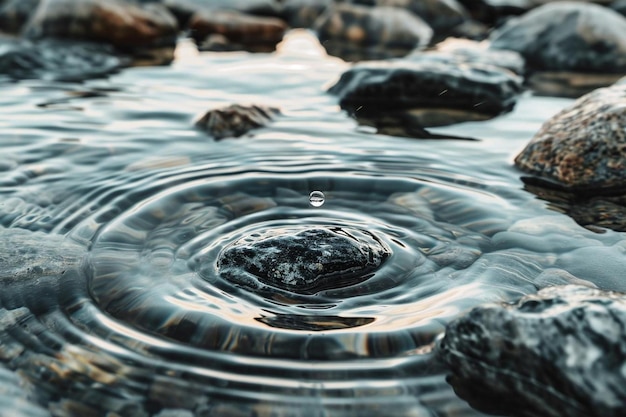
108, 186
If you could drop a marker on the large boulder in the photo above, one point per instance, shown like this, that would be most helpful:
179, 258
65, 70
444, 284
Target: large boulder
560, 352
124, 25
563, 39
355, 32
426, 90
583, 147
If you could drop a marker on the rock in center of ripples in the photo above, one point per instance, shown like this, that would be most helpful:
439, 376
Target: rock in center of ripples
303, 261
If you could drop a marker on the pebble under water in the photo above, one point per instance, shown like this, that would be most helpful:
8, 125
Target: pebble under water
130, 283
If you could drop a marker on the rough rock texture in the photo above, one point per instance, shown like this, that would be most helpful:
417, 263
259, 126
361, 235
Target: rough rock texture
434, 90
560, 352
238, 30
584, 146
355, 32
567, 36
118, 23
56, 60
305, 261
235, 120
14, 13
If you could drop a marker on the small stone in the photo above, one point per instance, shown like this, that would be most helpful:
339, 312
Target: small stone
254, 33
235, 120
557, 353
355, 32
304, 261
583, 147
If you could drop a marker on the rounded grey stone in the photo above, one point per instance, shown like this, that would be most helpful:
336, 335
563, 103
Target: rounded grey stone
567, 36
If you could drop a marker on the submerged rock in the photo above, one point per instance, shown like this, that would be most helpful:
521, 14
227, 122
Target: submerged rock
236, 31
557, 353
355, 32
426, 90
124, 25
57, 60
235, 120
583, 147
304, 261
566, 38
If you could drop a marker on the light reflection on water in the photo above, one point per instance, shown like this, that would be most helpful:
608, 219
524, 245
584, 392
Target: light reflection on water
151, 201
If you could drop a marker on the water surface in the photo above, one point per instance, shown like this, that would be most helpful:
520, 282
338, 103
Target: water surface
121, 208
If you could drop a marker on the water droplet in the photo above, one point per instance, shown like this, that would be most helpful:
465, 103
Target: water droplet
316, 198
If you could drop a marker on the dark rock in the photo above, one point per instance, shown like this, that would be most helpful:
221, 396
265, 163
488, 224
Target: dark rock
557, 353
303, 13
619, 6
355, 32
15, 13
567, 37
238, 30
493, 12
235, 120
126, 26
304, 261
184, 9
57, 60
440, 15
583, 147
426, 90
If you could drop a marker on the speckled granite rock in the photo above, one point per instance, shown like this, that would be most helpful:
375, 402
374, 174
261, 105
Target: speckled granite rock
14, 13
557, 353
567, 36
124, 25
304, 261
235, 120
238, 30
56, 60
583, 147
355, 32
425, 90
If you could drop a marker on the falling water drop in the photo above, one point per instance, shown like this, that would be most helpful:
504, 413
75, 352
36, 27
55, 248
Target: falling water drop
316, 198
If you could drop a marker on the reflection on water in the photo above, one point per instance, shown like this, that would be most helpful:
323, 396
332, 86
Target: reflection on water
122, 209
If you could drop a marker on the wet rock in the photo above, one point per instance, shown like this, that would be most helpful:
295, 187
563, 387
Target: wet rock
57, 60
304, 261
494, 11
236, 31
583, 147
126, 26
15, 13
556, 353
564, 39
235, 120
426, 90
355, 32
440, 15
184, 9
303, 13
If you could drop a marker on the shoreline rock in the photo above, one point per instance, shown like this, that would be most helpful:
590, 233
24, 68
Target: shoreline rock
555, 353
